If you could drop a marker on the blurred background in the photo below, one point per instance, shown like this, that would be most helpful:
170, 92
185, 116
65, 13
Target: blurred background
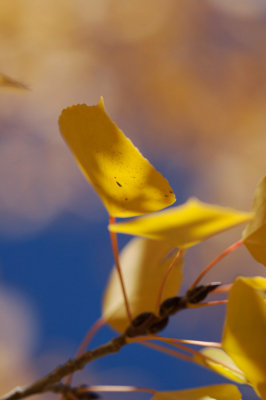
186, 82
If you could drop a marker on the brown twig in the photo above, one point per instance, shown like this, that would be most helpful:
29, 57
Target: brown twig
143, 324
45, 384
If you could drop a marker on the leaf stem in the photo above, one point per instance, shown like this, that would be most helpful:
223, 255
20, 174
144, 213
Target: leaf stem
118, 267
85, 342
89, 336
116, 388
174, 340
170, 268
167, 351
192, 351
215, 261
222, 289
208, 303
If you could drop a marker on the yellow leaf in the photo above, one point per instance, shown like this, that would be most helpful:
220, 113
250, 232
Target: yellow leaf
254, 235
7, 82
215, 392
144, 263
184, 225
244, 337
217, 360
126, 182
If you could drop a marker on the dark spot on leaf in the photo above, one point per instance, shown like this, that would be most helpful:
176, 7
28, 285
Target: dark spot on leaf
170, 191
118, 184
166, 195
126, 198
114, 177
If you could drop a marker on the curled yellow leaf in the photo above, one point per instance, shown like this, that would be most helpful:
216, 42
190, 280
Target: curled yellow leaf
254, 236
215, 392
125, 181
244, 336
144, 263
184, 225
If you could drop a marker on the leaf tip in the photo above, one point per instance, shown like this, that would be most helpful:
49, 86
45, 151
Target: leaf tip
101, 103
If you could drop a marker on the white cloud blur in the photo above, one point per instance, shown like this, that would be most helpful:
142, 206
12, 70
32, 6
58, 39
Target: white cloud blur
18, 336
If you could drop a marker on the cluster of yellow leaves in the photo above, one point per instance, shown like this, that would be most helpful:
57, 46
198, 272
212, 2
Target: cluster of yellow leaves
130, 186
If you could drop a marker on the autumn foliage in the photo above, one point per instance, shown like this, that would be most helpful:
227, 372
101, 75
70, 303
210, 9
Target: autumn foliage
186, 81
141, 293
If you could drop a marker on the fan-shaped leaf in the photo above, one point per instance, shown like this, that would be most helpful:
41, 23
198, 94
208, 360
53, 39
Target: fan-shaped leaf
126, 182
144, 263
254, 235
215, 392
184, 225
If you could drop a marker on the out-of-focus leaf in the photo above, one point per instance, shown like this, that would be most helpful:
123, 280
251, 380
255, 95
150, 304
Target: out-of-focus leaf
144, 263
223, 360
126, 182
254, 235
244, 336
184, 225
215, 392
7, 82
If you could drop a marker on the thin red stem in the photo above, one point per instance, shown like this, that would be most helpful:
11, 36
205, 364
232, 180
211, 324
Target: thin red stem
85, 343
222, 289
208, 303
195, 353
168, 351
207, 358
215, 261
118, 268
174, 340
170, 268
116, 388
89, 336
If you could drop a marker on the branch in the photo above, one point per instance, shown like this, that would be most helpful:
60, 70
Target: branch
144, 324
44, 384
